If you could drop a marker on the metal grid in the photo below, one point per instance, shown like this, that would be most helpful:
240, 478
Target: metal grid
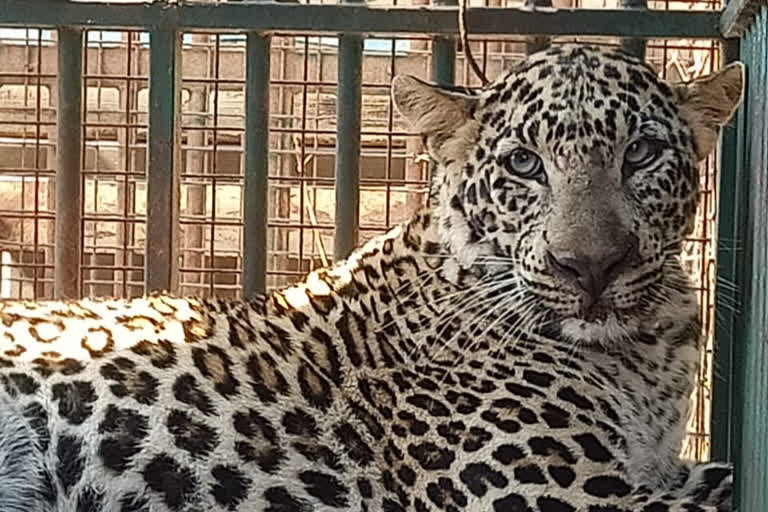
303, 91
301, 157
213, 124
27, 160
113, 177
302, 198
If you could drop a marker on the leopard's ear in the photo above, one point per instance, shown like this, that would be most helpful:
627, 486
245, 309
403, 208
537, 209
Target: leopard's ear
433, 111
709, 102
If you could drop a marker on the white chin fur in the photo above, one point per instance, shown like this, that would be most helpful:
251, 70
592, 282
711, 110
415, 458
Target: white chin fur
602, 332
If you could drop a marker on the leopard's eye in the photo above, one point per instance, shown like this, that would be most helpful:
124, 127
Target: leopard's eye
525, 164
641, 153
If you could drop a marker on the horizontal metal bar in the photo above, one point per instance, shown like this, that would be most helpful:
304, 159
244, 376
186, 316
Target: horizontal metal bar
353, 18
28, 123
738, 15
127, 268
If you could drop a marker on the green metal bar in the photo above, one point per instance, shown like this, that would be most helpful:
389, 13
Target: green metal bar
444, 52
163, 161
731, 222
68, 151
444, 60
360, 19
744, 261
634, 45
256, 164
443, 71
348, 113
752, 396
537, 43
749, 413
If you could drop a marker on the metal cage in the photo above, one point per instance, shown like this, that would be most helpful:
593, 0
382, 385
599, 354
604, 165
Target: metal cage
227, 148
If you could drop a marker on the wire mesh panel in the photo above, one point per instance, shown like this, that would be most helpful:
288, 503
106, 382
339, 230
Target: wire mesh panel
213, 124
113, 163
394, 170
27, 161
301, 159
303, 149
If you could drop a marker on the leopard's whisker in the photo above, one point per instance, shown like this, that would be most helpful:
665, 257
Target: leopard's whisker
503, 301
500, 318
524, 318
464, 294
478, 300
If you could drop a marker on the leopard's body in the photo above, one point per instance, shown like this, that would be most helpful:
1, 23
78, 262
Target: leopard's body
446, 365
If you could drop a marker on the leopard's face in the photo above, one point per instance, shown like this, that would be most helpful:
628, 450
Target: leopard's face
585, 175
579, 169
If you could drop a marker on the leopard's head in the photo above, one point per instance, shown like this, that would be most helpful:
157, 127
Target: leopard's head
577, 173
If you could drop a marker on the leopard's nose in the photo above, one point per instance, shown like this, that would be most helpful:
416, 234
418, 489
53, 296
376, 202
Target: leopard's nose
593, 273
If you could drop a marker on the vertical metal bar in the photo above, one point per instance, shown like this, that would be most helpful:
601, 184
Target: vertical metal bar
216, 97
748, 154
68, 192
443, 69
348, 112
634, 46
752, 463
537, 43
743, 264
163, 161
38, 272
444, 53
256, 164
752, 396
730, 225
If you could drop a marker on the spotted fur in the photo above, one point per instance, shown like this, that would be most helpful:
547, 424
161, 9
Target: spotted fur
481, 356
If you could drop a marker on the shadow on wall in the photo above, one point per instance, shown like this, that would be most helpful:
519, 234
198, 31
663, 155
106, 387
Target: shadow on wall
6, 231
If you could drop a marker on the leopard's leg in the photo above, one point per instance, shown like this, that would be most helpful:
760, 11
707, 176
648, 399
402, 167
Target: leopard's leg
21, 462
703, 487
710, 483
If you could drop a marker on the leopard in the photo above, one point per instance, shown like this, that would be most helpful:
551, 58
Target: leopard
527, 341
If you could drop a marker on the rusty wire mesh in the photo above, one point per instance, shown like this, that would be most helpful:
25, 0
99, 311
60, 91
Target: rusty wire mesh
114, 153
27, 160
394, 171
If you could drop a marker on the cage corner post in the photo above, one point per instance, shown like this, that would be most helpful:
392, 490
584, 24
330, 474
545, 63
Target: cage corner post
163, 161
730, 226
742, 349
749, 18
69, 128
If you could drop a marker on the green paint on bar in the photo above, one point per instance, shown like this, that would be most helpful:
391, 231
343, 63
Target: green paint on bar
360, 19
256, 165
348, 114
163, 161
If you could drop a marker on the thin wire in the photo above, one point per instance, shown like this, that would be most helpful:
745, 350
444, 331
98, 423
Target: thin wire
464, 36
